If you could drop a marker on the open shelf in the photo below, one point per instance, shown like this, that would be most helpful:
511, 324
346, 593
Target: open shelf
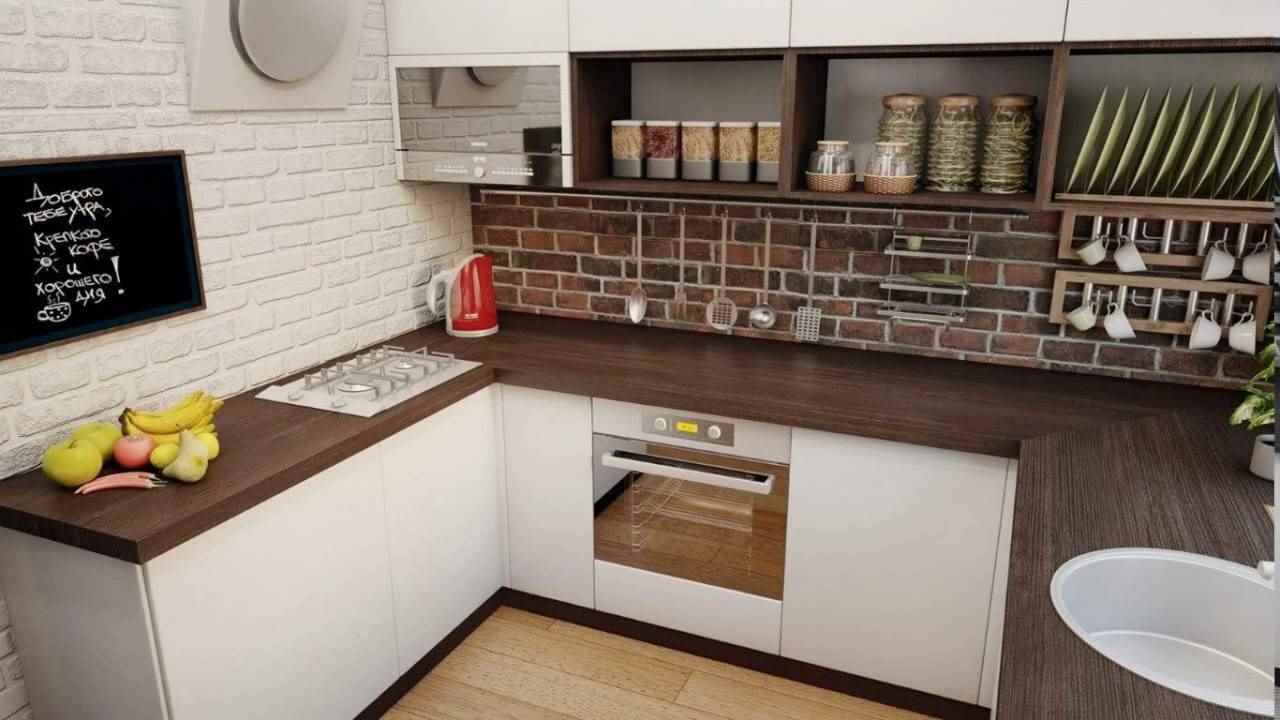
922, 198
645, 186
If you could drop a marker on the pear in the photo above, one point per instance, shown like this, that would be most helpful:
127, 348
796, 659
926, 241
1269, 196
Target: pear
192, 461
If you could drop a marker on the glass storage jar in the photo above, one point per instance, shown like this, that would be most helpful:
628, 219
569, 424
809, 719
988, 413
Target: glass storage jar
890, 170
953, 145
768, 151
905, 119
830, 167
628, 148
1009, 141
698, 150
737, 150
661, 149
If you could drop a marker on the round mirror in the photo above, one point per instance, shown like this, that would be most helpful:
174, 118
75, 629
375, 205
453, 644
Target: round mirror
288, 40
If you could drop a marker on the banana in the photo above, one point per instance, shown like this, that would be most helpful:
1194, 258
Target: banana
171, 438
172, 421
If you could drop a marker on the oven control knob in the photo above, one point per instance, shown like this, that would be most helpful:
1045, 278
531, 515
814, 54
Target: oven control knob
477, 171
714, 432
660, 424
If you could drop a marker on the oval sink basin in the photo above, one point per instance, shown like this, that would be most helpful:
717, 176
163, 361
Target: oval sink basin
1197, 625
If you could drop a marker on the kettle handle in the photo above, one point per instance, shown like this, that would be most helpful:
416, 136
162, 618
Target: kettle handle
445, 277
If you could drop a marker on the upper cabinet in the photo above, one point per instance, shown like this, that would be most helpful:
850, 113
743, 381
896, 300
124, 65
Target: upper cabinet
1171, 19
605, 25
817, 23
424, 27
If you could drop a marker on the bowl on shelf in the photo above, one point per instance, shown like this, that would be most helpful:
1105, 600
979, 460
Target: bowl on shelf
829, 182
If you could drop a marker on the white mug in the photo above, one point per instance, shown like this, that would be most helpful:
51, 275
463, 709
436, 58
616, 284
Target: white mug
1117, 323
1243, 336
1205, 333
1128, 258
1084, 317
1258, 265
1094, 251
1218, 263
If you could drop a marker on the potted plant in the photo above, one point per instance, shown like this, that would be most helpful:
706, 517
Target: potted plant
1258, 411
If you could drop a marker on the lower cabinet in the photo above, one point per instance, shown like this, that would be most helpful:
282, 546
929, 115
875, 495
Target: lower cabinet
284, 610
891, 562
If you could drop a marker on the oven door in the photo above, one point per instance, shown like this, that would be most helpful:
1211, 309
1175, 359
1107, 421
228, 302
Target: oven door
704, 517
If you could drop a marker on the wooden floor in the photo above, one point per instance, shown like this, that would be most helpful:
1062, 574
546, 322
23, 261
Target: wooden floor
520, 666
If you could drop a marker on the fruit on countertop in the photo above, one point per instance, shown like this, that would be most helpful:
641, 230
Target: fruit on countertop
192, 462
72, 463
210, 441
101, 435
163, 455
194, 412
133, 451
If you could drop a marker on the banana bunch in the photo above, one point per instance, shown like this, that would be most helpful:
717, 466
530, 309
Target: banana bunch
195, 412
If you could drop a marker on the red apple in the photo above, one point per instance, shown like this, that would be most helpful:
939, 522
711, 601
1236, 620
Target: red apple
134, 451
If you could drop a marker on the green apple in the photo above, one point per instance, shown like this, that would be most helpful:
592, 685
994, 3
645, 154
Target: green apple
102, 435
72, 463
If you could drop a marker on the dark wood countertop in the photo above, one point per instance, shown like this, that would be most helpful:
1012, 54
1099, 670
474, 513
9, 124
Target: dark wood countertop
1178, 481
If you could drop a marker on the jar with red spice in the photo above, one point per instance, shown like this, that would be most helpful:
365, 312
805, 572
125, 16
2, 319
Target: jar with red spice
661, 149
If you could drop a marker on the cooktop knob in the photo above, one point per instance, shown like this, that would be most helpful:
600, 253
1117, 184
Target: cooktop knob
714, 432
478, 171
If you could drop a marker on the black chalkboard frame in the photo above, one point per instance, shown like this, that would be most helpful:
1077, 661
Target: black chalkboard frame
201, 302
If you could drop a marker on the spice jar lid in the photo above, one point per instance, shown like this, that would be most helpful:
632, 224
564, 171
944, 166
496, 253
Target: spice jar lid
892, 145
958, 101
663, 123
628, 123
1019, 101
769, 124
737, 124
699, 123
833, 144
903, 100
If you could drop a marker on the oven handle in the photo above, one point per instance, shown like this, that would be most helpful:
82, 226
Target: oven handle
699, 476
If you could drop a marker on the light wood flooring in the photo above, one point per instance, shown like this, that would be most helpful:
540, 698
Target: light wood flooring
520, 666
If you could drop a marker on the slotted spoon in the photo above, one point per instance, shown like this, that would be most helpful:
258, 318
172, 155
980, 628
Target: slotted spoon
638, 303
809, 318
721, 312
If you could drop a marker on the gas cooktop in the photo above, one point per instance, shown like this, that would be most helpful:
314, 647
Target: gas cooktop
370, 382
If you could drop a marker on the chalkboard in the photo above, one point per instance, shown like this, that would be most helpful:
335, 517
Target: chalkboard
94, 244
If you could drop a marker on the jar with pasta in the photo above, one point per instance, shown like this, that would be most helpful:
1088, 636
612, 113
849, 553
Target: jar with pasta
698, 151
628, 148
906, 120
737, 150
768, 151
1009, 141
953, 145
661, 149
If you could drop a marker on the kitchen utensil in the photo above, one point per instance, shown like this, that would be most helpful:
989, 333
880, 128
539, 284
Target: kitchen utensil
1199, 138
1222, 134
1243, 336
768, 151
1258, 265
1128, 258
954, 145
682, 297
1090, 139
1111, 143
1117, 323
722, 311
1154, 143
1007, 144
638, 302
1206, 332
763, 316
471, 306
1178, 138
662, 149
698, 150
1137, 133
809, 318
1218, 262
1095, 251
1240, 142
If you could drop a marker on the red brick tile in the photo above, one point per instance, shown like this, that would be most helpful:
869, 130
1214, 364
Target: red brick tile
998, 298
926, 222
1066, 351
967, 340
1015, 344
607, 305
1127, 356
501, 237
540, 280
537, 201
1190, 362
579, 283
551, 262
537, 240
917, 335
867, 330
485, 215
575, 243
537, 297
1043, 222
1036, 276
573, 301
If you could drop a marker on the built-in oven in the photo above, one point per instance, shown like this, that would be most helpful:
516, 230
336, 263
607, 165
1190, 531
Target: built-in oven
691, 521
494, 119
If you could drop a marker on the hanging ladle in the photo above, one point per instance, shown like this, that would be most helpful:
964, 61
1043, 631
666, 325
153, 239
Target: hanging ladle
638, 303
763, 316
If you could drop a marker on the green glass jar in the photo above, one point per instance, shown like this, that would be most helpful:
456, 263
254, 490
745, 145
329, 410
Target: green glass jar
954, 145
906, 120
1009, 141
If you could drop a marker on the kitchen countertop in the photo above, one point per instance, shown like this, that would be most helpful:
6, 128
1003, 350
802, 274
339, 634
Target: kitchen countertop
1178, 481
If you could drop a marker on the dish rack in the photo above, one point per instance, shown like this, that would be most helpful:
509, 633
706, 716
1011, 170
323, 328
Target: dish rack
924, 297
1171, 240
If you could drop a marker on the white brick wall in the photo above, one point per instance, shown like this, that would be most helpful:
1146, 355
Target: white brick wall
310, 246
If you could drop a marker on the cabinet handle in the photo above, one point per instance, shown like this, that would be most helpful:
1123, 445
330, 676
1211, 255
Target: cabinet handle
680, 470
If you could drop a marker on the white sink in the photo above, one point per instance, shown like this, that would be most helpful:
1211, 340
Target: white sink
1197, 625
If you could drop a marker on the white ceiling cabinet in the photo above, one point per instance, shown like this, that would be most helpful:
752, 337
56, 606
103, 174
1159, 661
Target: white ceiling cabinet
605, 25
817, 23
423, 27
1171, 19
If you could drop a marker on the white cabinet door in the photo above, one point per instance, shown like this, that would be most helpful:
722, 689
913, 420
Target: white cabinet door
891, 556
285, 610
423, 27
603, 25
1171, 19
549, 504
444, 521
925, 22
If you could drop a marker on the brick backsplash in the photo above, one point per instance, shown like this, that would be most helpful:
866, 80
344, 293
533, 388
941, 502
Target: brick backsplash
573, 256
310, 246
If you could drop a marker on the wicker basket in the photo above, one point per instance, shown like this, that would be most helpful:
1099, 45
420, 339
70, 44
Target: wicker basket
822, 182
889, 185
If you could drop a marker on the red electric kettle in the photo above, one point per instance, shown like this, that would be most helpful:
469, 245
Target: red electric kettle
471, 308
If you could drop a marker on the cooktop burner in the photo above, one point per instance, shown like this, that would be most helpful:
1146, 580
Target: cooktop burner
370, 382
